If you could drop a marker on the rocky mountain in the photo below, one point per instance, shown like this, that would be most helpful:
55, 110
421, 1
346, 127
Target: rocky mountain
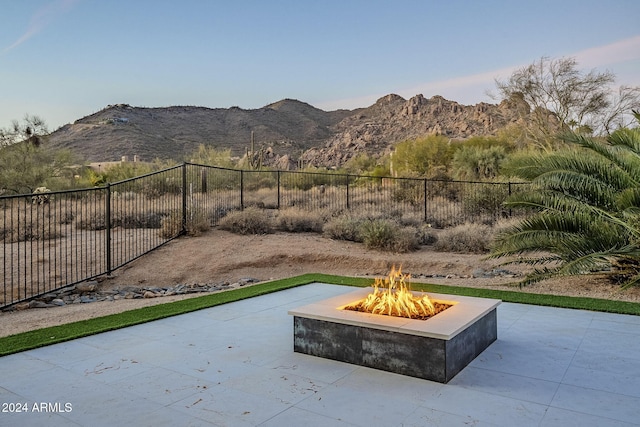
288, 131
288, 126
392, 119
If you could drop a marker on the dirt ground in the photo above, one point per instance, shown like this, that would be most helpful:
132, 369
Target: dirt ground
219, 256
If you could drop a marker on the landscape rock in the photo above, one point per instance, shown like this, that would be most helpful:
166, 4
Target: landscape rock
82, 295
84, 287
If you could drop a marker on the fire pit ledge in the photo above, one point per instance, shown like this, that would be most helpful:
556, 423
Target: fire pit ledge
435, 349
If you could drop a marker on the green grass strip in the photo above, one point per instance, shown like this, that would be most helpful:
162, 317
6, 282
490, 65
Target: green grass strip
56, 334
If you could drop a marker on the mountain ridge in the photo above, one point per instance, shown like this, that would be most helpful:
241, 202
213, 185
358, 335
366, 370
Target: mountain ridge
289, 130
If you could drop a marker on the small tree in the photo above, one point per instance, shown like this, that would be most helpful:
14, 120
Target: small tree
25, 166
25, 161
426, 157
208, 155
560, 97
32, 129
479, 158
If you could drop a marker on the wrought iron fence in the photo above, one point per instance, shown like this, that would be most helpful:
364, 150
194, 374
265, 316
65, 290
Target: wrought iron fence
56, 239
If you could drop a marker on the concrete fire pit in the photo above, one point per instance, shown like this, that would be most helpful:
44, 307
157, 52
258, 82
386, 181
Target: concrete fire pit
435, 349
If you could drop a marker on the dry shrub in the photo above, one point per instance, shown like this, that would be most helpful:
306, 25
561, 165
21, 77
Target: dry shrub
197, 223
30, 231
406, 240
299, 220
443, 213
249, 221
96, 221
388, 236
378, 233
31, 223
426, 235
344, 227
171, 225
265, 198
137, 220
465, 238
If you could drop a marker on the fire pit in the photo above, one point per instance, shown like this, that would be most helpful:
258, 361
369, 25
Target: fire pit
434, 349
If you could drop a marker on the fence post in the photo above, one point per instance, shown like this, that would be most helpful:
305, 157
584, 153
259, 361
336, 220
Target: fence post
241, 190
510, 212
425, 200
278, 189
107, 208
184, 199
348, 205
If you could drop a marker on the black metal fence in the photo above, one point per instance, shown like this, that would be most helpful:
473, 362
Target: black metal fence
55, 239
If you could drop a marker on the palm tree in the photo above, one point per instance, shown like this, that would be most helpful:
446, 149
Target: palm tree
585, 209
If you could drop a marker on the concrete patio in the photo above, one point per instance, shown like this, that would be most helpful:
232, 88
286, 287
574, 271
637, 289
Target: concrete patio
234, 365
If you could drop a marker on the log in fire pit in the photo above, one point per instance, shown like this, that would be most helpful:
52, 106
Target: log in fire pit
435, 349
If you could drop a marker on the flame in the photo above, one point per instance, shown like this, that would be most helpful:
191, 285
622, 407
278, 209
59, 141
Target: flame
391, 296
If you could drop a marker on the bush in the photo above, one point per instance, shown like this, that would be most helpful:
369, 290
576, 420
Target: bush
406, 240
299, 220
28, 232
196, 224
465, 238
426, 235
387, 235
486, 201
249, 221
137, 220
378, 233
94, 222
343, 227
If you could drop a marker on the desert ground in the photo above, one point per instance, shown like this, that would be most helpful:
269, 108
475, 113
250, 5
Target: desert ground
220, 256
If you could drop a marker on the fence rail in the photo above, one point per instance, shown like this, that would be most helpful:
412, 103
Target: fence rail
56, 239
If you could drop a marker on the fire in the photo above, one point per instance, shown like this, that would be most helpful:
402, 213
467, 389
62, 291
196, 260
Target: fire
391, 296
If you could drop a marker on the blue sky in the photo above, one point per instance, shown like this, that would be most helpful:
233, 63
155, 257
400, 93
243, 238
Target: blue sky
65, 59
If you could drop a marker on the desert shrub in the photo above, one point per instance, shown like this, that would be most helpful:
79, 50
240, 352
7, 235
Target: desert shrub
171, 225
426, 235
443, 212
406, 240
96, 221
465, 238
387, 235
28, 231
257, 180
66, 218
485, 201
344, 227
424, 156
478, 161
378, 233
299, 220
262, 198
137, 220
309, 178
197, 223
408, 191
249, 221
410, 219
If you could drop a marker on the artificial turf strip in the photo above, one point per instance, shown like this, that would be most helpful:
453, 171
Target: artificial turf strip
581, 303
56, 334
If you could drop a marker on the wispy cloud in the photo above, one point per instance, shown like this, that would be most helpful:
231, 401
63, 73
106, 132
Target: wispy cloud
614, 53
473, 88
42, 18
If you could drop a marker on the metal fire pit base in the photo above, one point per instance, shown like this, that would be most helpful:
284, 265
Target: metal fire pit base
435, 349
